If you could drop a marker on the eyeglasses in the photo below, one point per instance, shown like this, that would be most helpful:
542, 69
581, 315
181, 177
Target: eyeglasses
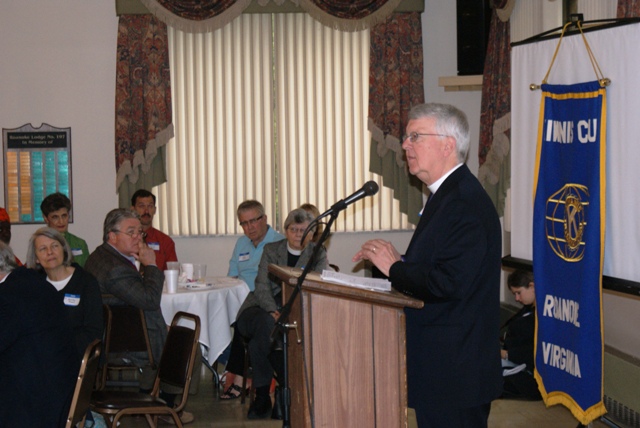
133, 233
415, 136
297, 230
251, 222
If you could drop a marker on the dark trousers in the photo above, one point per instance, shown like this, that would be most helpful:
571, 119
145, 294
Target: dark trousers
235, 364
256, 326
444, 416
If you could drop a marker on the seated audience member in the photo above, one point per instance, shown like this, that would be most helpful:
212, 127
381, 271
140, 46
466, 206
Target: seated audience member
315, 213
114, 265
248, 250
77, 288
244, 265
518, 341
5, 230
317, 233
38, 361
55, 210
260, 310
144, 203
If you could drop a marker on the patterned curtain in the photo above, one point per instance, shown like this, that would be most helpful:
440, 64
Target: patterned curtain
349, 15
396, 84
495, 120
196, 16
628, 8
143, 104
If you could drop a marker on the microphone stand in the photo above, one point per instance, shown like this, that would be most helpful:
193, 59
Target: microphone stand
282, 326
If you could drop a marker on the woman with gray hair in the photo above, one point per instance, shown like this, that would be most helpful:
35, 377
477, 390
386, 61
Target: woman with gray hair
260, 310
49, 253
38, 362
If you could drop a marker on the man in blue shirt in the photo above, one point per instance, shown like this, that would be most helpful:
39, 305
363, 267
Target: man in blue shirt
248, 250
244, 265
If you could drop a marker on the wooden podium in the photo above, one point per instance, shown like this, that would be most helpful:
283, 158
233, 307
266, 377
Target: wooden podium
347, 358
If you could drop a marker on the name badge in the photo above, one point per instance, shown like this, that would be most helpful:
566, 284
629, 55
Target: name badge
244, 257
76, 251
155, 246
71, 299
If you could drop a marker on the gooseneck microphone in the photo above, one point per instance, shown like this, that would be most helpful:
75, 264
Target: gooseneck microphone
370, 188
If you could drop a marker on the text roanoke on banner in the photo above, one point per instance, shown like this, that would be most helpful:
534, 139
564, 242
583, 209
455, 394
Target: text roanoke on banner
568, 247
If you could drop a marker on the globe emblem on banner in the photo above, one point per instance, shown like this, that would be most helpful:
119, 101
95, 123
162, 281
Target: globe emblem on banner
565, 221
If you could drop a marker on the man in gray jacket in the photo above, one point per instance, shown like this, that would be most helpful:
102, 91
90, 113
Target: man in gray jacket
121, 282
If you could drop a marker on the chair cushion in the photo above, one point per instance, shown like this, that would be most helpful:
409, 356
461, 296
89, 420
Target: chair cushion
124, 399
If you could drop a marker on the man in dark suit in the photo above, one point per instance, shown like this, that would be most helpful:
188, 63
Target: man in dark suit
38, 360
114, 265
453, 265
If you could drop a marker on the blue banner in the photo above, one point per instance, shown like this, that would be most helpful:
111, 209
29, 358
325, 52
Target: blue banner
568, 247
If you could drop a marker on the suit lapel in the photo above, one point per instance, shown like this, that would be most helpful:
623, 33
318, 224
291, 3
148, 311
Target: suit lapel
434, 203
306, 254
282, 254
108, 248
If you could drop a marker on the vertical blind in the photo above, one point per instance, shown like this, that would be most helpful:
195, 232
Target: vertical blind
271, 107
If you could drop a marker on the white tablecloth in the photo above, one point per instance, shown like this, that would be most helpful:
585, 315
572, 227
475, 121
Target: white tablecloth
216, 305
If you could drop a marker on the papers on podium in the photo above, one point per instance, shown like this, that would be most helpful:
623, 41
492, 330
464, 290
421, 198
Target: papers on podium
356, 281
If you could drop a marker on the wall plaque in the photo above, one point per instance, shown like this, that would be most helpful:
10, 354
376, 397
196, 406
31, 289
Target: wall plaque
37, 162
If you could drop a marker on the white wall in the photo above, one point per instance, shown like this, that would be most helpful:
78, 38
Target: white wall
58, 67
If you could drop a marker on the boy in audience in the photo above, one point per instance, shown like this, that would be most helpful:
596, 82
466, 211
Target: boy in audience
56, 209
518, 340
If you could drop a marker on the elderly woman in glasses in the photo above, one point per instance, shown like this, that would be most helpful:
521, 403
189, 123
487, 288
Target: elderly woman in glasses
49, 253
260, 310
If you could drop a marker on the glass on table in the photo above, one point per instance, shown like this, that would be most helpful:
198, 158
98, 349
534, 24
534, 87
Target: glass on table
199, 272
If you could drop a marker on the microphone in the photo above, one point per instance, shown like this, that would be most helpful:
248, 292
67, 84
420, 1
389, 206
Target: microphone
370, 188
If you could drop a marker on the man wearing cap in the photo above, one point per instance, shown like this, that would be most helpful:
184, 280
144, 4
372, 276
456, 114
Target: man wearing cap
5, 230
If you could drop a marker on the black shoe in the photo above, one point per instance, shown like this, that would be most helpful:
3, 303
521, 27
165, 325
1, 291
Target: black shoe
278, 405
260, 408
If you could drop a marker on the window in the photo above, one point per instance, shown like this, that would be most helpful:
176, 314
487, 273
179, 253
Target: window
273, 108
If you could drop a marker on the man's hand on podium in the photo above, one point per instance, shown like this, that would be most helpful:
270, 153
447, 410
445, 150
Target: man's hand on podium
381, 253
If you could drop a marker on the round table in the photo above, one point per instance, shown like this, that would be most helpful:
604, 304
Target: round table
216, 302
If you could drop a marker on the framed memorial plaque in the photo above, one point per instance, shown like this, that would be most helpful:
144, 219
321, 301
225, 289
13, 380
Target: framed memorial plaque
37, 162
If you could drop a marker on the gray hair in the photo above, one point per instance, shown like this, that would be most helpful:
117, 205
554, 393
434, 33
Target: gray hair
251, 204
113, 220
7, 258
298, 216
449, 121
32, 258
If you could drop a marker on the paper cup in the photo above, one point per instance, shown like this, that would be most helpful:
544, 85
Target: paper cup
187, 271
171, 279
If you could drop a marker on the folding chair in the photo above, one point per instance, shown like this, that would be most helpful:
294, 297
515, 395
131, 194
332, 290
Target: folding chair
175, 369
125, 334
84, 385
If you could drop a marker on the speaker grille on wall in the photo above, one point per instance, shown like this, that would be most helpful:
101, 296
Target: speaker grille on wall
473, 20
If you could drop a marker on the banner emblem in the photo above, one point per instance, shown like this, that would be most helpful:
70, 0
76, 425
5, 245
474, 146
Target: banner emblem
566, 221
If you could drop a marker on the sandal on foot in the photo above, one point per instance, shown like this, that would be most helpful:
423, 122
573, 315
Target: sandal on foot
232, 392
